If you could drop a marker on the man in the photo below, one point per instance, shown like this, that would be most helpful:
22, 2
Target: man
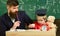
14, 19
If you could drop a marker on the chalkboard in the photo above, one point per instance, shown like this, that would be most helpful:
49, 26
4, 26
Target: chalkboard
30, 6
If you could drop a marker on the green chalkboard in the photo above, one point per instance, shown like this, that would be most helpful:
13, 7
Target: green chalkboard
30, 6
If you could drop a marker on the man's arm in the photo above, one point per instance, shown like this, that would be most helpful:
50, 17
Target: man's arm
27, 20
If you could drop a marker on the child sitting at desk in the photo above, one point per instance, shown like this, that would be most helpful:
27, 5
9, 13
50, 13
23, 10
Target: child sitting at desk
40, 24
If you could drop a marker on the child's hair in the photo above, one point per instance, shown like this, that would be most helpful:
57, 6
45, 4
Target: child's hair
41, 12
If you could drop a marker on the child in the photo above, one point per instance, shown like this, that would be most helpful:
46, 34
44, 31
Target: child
40, 24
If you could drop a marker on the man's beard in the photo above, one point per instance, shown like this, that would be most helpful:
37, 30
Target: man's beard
13, 15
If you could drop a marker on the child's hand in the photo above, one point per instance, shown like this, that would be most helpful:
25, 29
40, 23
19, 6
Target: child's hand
31, 26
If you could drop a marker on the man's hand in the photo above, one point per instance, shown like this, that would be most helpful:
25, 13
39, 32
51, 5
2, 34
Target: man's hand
16, 24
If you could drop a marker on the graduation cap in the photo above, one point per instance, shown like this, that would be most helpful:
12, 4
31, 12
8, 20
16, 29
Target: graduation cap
41, 12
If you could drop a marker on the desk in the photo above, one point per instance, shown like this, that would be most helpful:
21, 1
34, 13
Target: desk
31, 33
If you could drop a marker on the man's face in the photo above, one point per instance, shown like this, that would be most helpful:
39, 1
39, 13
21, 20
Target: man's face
12, 10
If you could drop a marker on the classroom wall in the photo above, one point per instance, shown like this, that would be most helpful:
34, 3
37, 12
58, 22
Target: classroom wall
30, 6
